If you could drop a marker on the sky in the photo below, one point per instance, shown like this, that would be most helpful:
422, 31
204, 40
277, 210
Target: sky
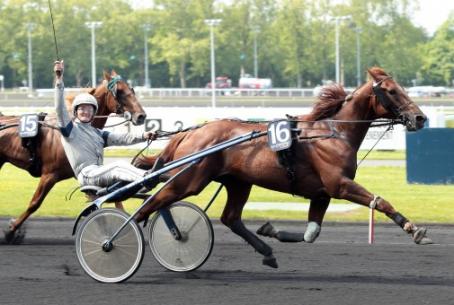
432, 13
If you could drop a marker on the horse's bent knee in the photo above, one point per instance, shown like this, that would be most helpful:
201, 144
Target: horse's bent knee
238, 228
340, 189
312, 232
225, 221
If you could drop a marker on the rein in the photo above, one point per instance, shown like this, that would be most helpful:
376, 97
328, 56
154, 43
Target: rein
164, 135
390, 127
45, 124
141, 151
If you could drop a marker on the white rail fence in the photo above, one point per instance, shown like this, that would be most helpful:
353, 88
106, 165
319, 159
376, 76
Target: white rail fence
200, 92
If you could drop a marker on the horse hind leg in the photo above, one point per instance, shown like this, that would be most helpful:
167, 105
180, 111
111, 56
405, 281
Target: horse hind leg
317, 210
15, 233
237, 195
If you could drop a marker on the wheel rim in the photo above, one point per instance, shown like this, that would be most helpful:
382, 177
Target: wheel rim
122, 259
194, 248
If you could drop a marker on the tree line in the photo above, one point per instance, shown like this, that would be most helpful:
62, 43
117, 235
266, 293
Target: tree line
294, 41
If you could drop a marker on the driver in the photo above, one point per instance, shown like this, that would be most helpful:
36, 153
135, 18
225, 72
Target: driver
83, 143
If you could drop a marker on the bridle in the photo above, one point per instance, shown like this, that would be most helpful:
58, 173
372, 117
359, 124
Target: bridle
112, 89
384, 99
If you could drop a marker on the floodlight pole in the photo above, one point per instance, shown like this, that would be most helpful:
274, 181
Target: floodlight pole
146, 28
337, 20
212, 23
30, 27
93, 25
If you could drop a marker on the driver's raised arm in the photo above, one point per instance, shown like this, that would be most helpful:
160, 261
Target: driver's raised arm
63, 118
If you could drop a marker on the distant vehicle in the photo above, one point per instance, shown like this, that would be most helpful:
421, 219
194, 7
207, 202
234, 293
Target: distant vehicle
250, 82
222, 82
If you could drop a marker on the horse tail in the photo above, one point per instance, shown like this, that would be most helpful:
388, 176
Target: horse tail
146, 162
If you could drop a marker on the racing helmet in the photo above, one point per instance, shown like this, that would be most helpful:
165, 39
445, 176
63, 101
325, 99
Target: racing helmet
84, 98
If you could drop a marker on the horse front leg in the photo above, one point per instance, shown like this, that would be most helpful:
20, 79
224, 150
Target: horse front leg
349, 190
317, 210
11, 233
119, 205
237, 195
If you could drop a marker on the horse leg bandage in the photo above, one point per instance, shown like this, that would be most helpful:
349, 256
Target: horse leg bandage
312, 232
399, 219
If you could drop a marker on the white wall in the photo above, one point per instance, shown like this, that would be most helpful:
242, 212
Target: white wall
172, 118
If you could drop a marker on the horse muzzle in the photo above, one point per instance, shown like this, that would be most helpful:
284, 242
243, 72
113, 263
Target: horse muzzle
138, 118
414, 121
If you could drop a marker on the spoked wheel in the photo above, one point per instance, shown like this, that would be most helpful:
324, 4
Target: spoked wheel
195, 245
109, 263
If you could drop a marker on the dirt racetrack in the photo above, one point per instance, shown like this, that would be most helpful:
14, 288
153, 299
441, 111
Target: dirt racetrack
340, 268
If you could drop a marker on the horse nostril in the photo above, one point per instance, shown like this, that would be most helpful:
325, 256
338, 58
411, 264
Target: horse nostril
140, 119
421, 118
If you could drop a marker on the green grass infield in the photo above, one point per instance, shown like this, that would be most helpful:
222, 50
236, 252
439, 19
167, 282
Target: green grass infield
420, 203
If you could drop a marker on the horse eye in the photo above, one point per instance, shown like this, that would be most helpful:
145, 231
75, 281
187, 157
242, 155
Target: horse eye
392, 92
120, 92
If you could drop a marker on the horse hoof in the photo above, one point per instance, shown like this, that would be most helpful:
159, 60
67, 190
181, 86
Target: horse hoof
267, 230
270, 261
420, 238
9, 236
425, 241
14, 237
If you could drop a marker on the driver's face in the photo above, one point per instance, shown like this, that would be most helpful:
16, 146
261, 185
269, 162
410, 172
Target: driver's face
85, 113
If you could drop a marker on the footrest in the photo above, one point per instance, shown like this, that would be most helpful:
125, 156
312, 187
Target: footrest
101, 191
91, 189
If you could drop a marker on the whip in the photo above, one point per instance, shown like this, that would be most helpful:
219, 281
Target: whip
53, 28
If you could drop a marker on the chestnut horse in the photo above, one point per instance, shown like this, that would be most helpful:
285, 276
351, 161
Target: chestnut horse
50, 163
323, 168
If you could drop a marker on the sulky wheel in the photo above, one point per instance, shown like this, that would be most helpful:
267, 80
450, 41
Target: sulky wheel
196, 242
114, 262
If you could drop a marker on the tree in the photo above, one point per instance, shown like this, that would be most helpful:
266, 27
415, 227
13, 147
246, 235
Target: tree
181, 38
295, 40
438, 66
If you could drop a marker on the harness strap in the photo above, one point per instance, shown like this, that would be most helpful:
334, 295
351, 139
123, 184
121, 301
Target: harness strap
31, 145
286, 159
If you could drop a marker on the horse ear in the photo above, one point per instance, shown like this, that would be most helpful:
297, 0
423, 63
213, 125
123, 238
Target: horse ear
372, 75
106, 75
92, 91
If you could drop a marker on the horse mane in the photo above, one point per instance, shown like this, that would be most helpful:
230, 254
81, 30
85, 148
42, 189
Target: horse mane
329, 102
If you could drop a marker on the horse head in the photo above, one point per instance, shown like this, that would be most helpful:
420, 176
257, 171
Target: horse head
391, 101
121, 99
